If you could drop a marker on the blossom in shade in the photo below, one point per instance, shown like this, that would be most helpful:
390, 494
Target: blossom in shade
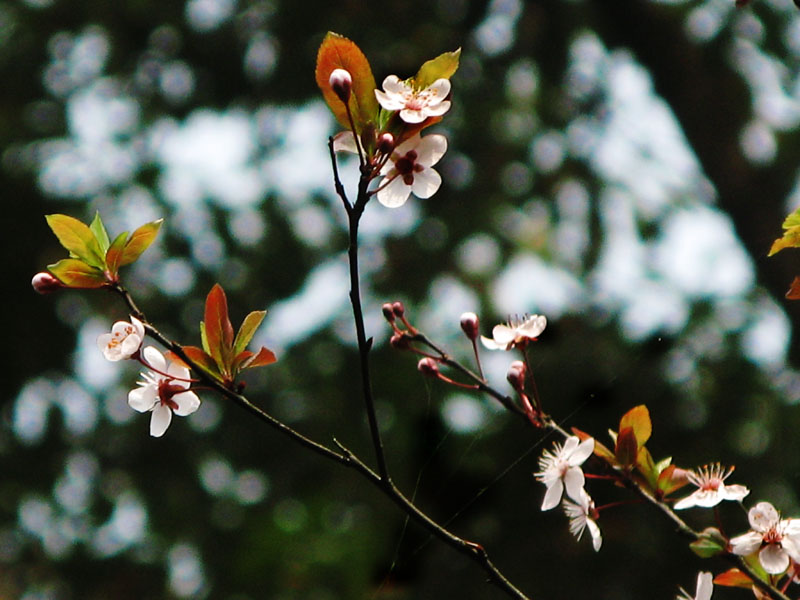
711, 488
582, 515
415, 105
776, 540
517, 332
124, 340
705, 586
408, 170
560, 469
163, 391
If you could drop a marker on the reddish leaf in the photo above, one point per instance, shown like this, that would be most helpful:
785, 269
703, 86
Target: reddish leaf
203, 360
626, 448
671, 479
114, 254
75, 273
262, 359
338, 52
638, 419
794, 290
218, 328
733, 578
140, 241
599, 449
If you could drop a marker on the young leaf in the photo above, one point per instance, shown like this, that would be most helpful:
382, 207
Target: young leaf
794, 290
647, 466
710, 543
247, 330
139, 241
338, 52
733, 578
99, 231
441, 67
626, 448
263, 358
599, 449
114, 254
78, 239
791, 234
218, 328
75, 273
670, 479
203, 360
638, 418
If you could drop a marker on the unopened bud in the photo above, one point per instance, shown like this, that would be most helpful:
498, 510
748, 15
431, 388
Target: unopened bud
385, 143
469, 325
341, 83
399, 309
45, 283
388, 312
399, 341
428, 366
516, 375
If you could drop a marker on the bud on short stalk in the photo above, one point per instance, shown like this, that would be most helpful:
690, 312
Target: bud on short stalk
385, 143
341, 83
428, 366
469, 325
516, 376
388, 312
45, 283
398, 309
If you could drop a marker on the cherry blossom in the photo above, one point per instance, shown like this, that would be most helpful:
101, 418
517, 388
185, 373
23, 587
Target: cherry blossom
517, 332
582, 516
409, 170
163, 391
711, 489
776, 540
414, 105
124, 340
560, 469
705, 586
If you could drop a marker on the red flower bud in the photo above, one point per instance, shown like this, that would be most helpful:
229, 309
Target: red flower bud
45, 283
469, 325
341, 83
428, 366
385, 143
516, 375
388, 312
399, 309
399, 341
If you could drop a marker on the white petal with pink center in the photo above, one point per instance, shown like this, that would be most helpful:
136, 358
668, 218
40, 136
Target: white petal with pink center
705, 587
581, 518
161, 392
776, 540
408, 170
124, 340
560, 470
516, 332
414, 105
711, 488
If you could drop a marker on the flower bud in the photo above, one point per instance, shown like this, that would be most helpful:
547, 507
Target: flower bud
45, 283
469, 325
516, 375
385, 143
388, 312
399, 341
399, 309
428, 366
341, 83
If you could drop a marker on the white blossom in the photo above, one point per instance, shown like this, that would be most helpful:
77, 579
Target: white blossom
776, 540
408, 170
163, 391
561, 469
124, 340
582, 516
516, 333
705, 586
414, 105
711, 488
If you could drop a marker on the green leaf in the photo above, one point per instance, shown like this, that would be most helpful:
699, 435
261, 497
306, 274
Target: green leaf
670, 479
78, 239
791, 234
114, 254
338, 52
75, 273
247, 330
638, 418
204, 337
140, 241
100, 233
706, 547
647, 467
441, 67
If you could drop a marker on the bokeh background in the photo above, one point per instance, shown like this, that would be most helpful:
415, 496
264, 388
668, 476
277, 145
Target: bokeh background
621, 166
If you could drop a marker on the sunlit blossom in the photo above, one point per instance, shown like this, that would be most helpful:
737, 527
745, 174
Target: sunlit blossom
560, 469
124, 340
408, 170
711, 488
776, 540
414, 105
517, 332
163, 391
705, 586
582, 515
